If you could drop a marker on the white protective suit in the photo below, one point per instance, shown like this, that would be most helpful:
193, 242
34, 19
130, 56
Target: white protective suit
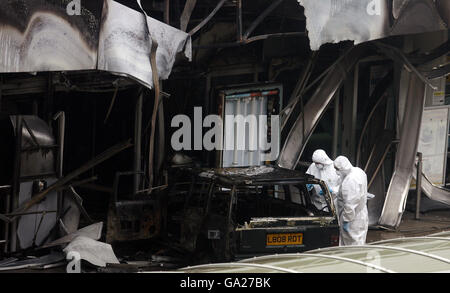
322, 168
352, 203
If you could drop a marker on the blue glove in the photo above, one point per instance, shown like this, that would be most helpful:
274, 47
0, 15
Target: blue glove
309, 187
346, 226
321, 192
331, 190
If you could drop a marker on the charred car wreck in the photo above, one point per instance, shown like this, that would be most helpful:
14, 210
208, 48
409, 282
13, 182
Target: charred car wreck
91, 158
232, 213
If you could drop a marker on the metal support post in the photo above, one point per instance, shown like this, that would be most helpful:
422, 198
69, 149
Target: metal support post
14, 202
61, 118
167, 11
1, 93
239, 19
137, 142
418, 185
336, 125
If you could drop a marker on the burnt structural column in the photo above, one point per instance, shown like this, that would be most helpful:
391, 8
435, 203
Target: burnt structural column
350, 104
137, 141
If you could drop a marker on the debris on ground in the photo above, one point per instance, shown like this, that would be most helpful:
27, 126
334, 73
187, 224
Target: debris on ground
11, 264
92, 251
93, 231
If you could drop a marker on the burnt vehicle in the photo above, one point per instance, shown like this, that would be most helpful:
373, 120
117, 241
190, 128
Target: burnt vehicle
233, 213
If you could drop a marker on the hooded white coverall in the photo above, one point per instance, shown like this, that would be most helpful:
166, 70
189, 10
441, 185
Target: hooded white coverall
352, 203
322, 168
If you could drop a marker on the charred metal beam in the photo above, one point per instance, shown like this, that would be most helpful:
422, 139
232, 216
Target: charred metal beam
406, 154
396, 54
208, 18
243, 38
37, 84
261, 17
275, 35
421, 59
186, 15
161, 139
113, 100
378, 94
316, 106
250, 40
96, 187
299, 88
432, 191
439, 72
378, 155
324, 73
50, 100
219, 45
30, 213
13, 199
167, 11
61, 118
5, 218
156, 83
33, 137
79, 202
137, 163
239, 19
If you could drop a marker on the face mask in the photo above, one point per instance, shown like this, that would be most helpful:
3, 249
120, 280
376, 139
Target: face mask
341, 173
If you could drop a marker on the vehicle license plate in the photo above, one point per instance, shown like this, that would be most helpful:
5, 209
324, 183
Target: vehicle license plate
282, 239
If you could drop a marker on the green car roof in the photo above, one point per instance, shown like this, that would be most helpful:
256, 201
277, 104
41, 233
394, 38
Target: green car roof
428, 254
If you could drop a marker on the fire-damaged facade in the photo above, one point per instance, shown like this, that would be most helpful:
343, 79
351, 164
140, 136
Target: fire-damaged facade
156, 134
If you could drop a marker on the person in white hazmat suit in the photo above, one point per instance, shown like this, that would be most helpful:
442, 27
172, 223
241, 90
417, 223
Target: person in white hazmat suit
352, 203
322, 168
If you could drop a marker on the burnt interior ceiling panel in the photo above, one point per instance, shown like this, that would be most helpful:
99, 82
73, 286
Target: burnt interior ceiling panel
40, 35
125, 46
333, 21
